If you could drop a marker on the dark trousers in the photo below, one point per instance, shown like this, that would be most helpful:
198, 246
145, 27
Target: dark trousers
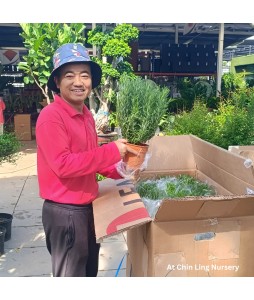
70, 239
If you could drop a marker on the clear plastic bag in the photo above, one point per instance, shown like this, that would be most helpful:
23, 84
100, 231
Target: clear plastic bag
152, 206
128, 173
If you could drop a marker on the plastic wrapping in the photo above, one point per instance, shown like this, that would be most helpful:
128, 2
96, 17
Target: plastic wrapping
248, 163
145, 162
152, 206
133, 174
123, 170
153, 191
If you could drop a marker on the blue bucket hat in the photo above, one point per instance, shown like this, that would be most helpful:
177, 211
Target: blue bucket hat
71, 53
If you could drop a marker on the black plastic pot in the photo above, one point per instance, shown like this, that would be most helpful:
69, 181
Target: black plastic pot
2, 237
104, 138
6, 221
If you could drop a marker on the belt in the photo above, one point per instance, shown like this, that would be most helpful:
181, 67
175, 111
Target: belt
68, 205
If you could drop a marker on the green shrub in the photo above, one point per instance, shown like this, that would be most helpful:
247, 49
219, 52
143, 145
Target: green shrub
230, 122
231, 83
9, 146
228, 125
233, 126
197, 122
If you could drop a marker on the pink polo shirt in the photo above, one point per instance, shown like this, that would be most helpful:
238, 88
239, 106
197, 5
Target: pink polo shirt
68, 156
2, 108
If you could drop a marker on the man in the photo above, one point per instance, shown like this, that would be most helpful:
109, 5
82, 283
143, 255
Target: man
68, 158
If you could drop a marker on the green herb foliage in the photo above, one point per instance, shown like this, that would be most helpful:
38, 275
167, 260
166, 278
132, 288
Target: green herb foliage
173, 187
185, 185
140, 106
150, 190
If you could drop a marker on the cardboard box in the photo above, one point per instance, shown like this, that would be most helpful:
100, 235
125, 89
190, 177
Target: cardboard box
23, 127
192, 236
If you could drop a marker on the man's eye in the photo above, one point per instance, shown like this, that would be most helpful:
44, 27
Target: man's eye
69, 76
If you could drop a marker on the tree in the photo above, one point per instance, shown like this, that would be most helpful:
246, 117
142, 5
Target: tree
113, 51
42, 40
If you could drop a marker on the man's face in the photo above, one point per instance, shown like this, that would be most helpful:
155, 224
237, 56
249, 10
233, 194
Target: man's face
75, 82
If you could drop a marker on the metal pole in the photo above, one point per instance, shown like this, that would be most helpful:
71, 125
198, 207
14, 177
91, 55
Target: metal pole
94, 47
220, 60
176, 33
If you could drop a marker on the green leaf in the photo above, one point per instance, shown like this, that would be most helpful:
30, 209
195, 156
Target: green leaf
46, 73
43, 80
26, 80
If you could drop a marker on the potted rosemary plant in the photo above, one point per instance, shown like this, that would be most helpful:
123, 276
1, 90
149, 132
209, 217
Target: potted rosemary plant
140, 106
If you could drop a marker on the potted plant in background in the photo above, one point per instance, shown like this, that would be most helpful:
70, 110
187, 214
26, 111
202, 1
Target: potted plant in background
41, 40
113, 50
140, 106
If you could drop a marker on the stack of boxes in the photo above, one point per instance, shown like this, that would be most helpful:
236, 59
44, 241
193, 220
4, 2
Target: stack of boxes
23, 127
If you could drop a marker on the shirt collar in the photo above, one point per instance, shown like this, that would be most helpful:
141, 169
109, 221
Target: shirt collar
70, 110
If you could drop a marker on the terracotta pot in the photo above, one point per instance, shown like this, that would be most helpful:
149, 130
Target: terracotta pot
135, 161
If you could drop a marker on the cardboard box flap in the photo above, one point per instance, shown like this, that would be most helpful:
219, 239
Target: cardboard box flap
178, 209
191, 208
170, 153
240, 149
117, 208
244, 151
222, 166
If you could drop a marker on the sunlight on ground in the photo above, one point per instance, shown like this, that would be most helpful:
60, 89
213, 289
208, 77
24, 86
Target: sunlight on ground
39, 236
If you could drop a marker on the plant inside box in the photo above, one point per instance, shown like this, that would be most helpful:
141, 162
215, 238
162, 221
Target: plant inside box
154, 190
173, 187
140, 106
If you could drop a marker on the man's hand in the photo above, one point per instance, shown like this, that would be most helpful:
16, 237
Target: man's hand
123, 148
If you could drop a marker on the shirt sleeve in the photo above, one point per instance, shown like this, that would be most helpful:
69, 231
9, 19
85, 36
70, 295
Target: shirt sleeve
110, 172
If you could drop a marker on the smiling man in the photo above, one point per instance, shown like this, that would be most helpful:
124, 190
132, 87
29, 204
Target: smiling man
68, 158
75, 83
